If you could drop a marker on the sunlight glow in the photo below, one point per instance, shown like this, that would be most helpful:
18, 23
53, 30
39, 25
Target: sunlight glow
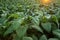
45, 2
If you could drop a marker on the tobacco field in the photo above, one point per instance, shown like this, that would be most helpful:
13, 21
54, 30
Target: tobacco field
29, 19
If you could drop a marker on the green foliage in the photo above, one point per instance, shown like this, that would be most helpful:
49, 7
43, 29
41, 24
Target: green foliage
43, 37
29, 20
53, 39
27, 38
47, 26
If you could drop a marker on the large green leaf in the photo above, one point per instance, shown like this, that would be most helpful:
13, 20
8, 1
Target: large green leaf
53, 39
22, 31
34, 37
35, 20
15, 25
37, 28
56, 32
54, 18
43, 37
47, 26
